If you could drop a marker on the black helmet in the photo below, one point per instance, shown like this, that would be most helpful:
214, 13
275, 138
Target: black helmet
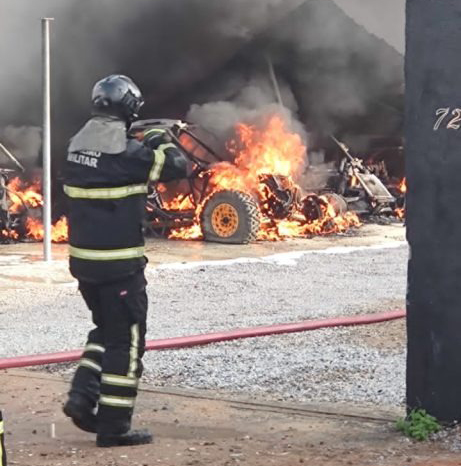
117, 95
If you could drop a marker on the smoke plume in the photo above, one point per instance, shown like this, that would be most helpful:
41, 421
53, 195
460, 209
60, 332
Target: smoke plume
203, 58
333, 77
23, 142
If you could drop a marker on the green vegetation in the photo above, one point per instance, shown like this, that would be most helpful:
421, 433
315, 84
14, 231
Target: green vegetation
418, 425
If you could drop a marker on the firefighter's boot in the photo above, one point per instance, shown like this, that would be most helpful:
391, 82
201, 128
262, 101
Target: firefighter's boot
132, 437
80, 410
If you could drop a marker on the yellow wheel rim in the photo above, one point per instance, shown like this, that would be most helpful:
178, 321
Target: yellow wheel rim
225, 220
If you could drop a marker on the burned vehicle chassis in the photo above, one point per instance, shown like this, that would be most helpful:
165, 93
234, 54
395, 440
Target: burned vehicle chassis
226, 216
362, 190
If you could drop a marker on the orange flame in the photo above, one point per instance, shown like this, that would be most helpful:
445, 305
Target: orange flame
258, 152
182, 202
399, 212
330, 222
187, 233
9, 234
59, 231
403, 186
25, 196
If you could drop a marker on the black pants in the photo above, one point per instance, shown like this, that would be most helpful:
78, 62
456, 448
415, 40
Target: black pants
111, 366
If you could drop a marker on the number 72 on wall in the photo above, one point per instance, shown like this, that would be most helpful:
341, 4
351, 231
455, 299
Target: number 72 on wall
453, 123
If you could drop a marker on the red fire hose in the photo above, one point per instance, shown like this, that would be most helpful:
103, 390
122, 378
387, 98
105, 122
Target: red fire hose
195, 340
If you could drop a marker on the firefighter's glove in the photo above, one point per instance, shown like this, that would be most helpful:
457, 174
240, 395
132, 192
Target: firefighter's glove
154, 138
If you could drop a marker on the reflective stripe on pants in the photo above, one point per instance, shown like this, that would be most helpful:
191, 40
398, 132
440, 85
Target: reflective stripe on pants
106, 255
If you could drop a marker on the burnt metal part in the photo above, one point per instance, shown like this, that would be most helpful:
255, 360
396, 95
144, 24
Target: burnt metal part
202, 157
176, 129
11, 157
283, 196
374, 188
10, 221
4, 210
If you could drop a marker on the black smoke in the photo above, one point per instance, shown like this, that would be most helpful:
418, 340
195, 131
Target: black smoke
194, 55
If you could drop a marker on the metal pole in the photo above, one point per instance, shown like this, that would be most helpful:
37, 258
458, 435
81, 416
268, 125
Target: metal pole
274, 80
11, 157
46, 139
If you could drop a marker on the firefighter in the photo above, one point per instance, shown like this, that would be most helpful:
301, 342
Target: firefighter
2, 443
106, 182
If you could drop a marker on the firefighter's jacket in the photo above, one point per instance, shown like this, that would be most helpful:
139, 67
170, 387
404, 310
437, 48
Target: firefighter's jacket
106, 182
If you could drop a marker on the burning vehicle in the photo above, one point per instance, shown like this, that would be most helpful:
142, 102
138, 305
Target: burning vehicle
21, 205
252, 197
362, 190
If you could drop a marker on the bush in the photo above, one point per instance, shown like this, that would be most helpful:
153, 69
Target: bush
418, 425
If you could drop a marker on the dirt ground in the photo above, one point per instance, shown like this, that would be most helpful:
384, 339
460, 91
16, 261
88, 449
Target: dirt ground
206, 428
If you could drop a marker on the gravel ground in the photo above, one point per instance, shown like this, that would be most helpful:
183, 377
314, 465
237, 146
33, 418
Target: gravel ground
315, 366
326, 365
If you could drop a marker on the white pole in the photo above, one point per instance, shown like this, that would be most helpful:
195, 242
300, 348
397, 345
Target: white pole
46, 139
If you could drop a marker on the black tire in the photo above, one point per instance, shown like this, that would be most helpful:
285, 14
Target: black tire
230, 217
312, 208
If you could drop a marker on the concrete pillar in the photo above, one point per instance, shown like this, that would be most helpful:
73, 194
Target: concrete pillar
433, 157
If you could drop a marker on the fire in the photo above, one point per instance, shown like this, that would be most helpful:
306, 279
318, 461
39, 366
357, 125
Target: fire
59, 230
187, 233
9, 234
330, 223
403, 186
259, 153
271, 150
181, 202
399, 212
25, 196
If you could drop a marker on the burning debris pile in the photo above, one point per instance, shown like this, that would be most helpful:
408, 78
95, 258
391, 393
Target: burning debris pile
21, 205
